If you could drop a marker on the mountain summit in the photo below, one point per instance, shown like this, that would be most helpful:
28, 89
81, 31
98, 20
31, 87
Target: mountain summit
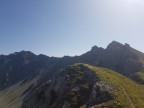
114, 44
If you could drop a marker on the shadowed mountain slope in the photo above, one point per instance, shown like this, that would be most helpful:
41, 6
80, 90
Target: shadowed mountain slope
121, 58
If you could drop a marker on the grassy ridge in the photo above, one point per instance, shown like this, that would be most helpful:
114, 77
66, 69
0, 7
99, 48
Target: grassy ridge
128, 93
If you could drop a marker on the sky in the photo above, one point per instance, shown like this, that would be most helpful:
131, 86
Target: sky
69, 27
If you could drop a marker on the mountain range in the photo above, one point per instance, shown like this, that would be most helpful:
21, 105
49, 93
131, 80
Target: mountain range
100, 78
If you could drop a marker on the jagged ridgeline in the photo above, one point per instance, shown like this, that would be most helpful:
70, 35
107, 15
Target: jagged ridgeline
20, 65
84, 86
22, 73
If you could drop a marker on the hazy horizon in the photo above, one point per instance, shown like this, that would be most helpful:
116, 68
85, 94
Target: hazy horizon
58, 28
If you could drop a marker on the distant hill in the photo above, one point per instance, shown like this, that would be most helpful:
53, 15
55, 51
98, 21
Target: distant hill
25, 71
138, 77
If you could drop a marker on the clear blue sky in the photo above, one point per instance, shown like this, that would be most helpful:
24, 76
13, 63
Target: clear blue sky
69, 27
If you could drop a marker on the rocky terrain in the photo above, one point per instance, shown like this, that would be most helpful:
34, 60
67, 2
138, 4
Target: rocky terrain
23, 75
85, 86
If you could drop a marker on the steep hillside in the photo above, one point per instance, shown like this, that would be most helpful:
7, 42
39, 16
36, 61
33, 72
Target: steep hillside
13, 96
83, 86
138, 77
20, 65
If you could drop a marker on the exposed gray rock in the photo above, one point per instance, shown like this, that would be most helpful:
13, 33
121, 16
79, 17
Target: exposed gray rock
71, 88
100, 92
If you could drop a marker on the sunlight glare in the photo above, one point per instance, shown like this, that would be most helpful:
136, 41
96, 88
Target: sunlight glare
135, 1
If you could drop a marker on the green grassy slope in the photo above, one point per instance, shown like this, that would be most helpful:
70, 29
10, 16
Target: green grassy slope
128, 94
13, 96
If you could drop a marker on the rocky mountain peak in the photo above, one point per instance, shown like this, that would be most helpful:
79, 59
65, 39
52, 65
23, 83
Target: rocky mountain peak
114, 45
94, 48
23, 54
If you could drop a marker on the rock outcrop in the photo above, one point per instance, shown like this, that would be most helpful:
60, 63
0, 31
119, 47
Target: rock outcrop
73, 87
